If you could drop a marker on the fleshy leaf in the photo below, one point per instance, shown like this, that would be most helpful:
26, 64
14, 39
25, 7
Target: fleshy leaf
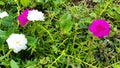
66, 23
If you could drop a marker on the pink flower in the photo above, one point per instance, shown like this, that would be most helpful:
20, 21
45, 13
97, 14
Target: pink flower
23, 17
100, 28
30, 15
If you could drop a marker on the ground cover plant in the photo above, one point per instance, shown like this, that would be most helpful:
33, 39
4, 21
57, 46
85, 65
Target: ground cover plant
60, 33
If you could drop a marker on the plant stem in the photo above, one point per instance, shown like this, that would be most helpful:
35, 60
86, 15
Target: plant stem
18, 12
1, 58
8, 52
57, 59
47, 32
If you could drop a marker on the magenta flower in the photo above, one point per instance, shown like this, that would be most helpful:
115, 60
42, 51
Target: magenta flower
100, 28
23, 17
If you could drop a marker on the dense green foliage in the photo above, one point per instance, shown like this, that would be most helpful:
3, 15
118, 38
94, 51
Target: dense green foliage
63, 39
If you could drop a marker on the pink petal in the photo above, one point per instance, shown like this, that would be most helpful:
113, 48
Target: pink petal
23, 17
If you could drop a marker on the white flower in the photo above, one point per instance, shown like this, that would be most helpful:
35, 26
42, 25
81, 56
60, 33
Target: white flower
17, 42
35, 15
3, 14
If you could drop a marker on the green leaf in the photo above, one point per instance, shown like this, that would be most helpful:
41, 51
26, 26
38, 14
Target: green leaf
31, 67
13, 64
32, 40
93, 15
118, 50
97, 1
25, 3
66, 23
2, 3
2, 57
116, 66
2, 36
112, 34
2, 33
41, 1
32, 43
7, 21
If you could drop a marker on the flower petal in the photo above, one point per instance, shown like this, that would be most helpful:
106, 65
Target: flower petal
23, 17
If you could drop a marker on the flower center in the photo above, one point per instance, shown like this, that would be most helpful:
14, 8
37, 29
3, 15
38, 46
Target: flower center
17, 42
100, 28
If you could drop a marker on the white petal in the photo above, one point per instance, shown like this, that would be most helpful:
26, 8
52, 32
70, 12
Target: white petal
3, 14
35, 15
